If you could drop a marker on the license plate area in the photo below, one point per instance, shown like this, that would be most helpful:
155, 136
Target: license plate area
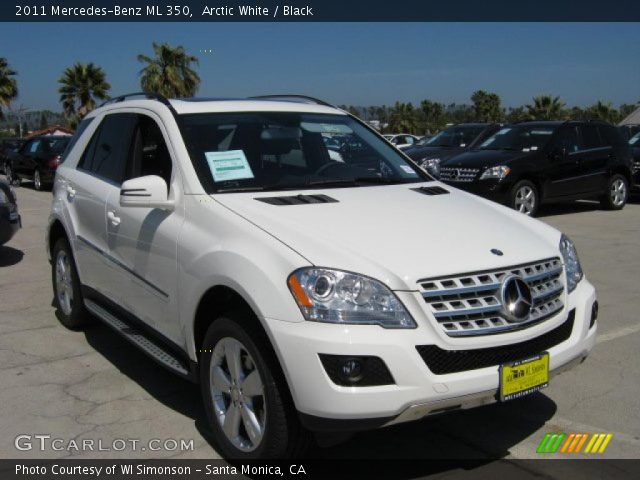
524, 377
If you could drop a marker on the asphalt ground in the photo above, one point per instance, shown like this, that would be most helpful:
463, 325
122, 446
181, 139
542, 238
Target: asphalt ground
94, 385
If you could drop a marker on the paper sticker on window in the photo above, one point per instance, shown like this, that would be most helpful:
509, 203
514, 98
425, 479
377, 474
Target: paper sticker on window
229, 165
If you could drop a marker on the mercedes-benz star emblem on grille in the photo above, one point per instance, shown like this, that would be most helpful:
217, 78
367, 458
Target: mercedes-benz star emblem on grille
516, 298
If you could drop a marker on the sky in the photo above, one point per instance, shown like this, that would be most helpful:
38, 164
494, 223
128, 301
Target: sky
345, 63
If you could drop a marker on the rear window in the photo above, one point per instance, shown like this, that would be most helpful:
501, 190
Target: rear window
591, 137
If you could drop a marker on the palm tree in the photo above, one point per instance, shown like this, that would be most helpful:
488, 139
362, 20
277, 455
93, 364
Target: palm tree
604, 111
169, 72
403, 118
80, 87
8, 85
545, 107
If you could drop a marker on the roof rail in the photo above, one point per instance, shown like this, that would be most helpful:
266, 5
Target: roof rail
293, 98
147, 95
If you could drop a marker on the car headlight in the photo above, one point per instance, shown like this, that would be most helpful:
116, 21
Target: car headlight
571, 262
498, 172
333, 296
431, 164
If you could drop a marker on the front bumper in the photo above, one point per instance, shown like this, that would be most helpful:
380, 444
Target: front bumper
10, 223
497, 191
417, 391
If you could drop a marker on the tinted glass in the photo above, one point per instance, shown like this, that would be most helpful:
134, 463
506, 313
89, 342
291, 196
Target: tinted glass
567, 140
55, 145
149, 154
279, 151
76, 136
635, 140
521, 137
591, 137
611, 135
455, 137
106, 155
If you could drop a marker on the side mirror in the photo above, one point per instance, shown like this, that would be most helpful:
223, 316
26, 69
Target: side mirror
147, 192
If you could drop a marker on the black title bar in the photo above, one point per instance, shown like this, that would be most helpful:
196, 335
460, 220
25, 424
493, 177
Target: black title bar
320, 11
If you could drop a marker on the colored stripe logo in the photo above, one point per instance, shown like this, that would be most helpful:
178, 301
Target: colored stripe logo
574, 443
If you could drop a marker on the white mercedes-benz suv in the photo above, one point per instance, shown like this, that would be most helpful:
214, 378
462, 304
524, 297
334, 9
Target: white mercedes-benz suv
305, 291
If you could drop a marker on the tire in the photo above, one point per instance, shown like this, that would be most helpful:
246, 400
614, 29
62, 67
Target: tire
37, 181
524, 197
66, 287
617, 194
8, 172
257, 400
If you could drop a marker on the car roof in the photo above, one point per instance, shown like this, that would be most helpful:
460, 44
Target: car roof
208, 105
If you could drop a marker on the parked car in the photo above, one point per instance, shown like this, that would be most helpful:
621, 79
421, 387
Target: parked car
629, 131
10, 221
37, 160
7, 146
634, 142
526, 164
401, 140
305, 294
451, 141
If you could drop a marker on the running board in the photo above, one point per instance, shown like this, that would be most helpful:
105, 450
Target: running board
136, 337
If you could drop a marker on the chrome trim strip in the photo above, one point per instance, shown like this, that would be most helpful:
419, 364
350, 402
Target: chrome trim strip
117, 262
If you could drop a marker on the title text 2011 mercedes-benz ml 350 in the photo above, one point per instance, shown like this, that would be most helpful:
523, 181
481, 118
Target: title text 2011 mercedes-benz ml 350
305, 292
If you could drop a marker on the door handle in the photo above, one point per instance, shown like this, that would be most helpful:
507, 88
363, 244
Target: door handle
70, 191
115, 221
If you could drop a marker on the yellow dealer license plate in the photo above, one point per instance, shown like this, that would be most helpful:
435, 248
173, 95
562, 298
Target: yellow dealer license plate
524, 377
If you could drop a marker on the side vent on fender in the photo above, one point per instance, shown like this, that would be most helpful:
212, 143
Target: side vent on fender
431, 190
297, 200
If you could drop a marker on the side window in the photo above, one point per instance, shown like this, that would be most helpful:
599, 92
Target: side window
34, 146
76, 136
612, 135
567, 140
107, 153
591, 137
148, 154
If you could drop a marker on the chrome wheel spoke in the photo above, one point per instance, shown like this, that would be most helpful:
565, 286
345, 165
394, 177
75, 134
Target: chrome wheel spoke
220, 379
234, 362
252, 385
231, 425
251, 423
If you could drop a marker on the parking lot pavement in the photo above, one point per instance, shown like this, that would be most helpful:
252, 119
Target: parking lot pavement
94, 385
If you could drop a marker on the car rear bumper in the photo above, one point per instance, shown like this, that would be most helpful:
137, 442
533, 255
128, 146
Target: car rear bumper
417, 391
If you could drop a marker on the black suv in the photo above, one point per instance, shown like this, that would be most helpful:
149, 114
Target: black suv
430, 153
634, 142
526, 164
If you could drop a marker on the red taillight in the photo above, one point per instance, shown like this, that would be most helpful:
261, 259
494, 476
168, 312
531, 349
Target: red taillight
54, 162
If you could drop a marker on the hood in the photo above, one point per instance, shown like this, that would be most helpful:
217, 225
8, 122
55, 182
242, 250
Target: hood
397, 235
484, 158
418, 153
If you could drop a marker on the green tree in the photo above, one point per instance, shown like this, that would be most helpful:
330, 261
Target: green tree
169, 72
627, 109
403, 118
43, 121
80, 87
486, 106
604, 111
8, 85
433, 115
546, 107
517, 114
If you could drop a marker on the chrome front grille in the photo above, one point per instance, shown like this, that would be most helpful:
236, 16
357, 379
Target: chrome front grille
471, 304
453, 174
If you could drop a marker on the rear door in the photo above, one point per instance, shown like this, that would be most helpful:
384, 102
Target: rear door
99, 172
563, 166
595, 153
144, 241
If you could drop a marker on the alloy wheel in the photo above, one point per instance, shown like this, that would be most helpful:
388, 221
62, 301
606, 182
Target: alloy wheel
525, 201
64, 282
618, 192
36, 180
238, 397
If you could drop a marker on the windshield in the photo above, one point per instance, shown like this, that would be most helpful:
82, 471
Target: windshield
454, 137
280, 151
519, 137
635, 140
